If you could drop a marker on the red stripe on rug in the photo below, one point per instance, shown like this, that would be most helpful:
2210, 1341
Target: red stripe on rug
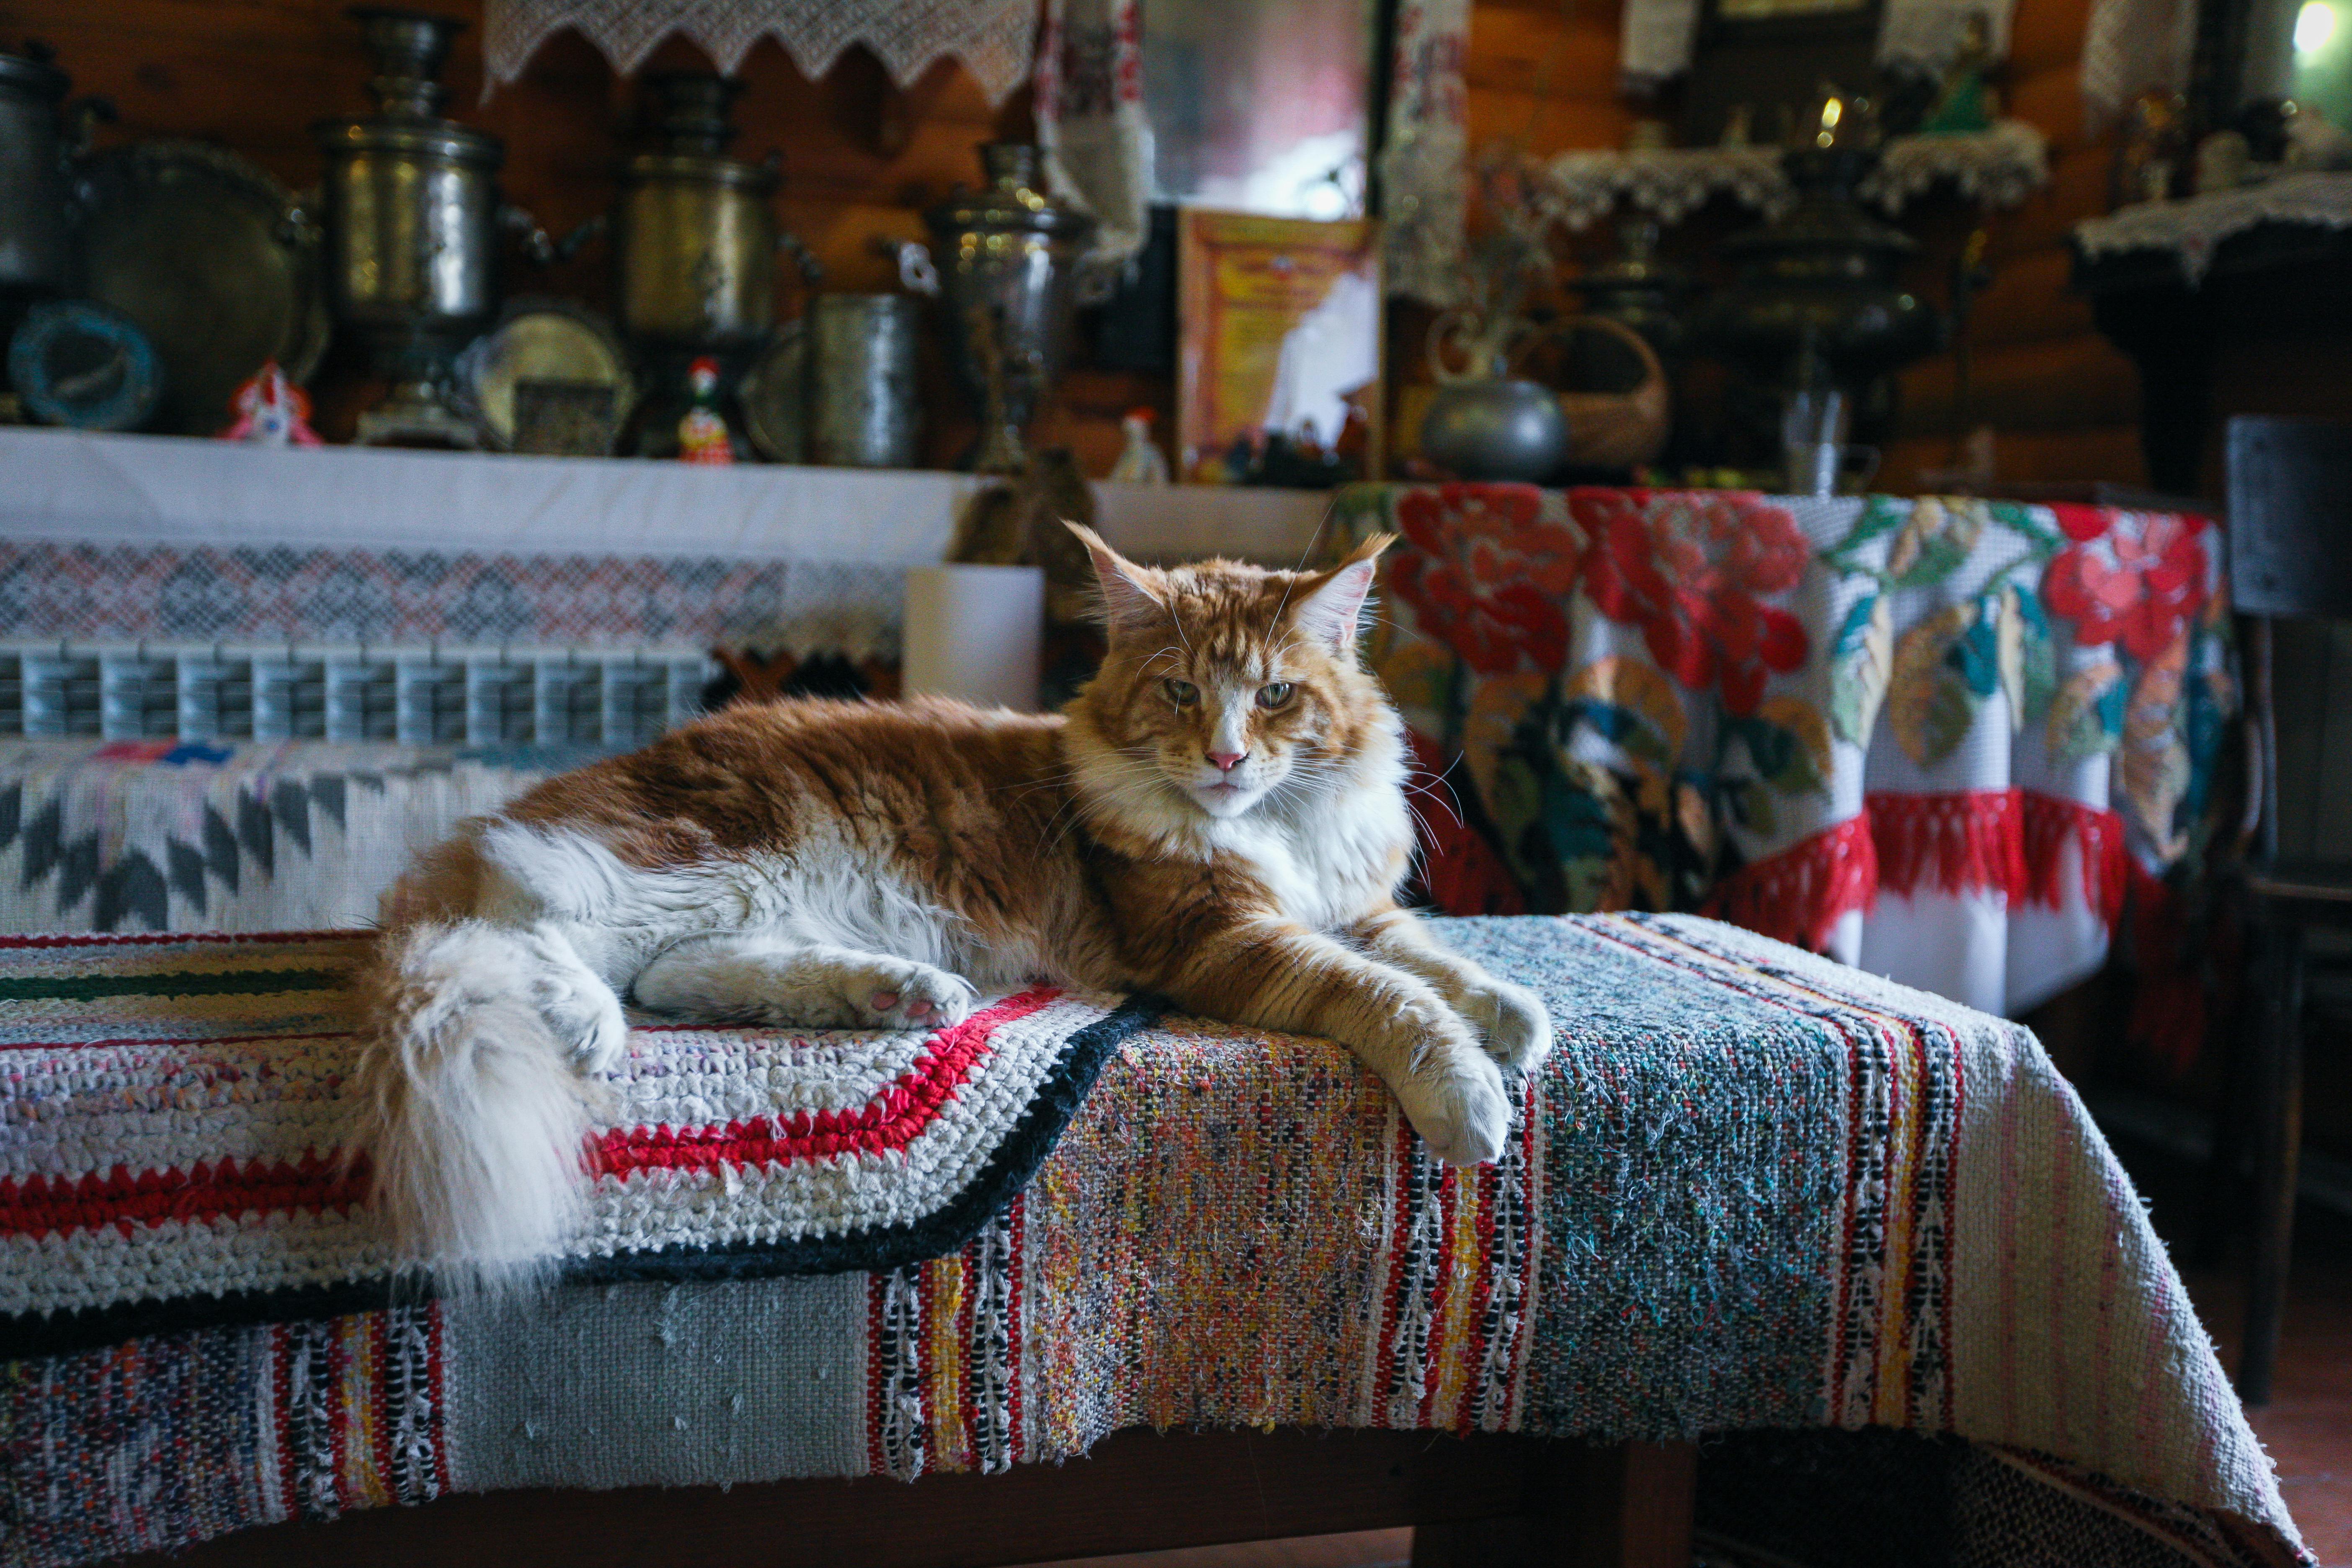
208, 1191
893, 1118
37, 1205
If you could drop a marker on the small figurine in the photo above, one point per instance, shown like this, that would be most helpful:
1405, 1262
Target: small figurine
1966, 101
2155, 146
1140, 462
271, 411
702, 434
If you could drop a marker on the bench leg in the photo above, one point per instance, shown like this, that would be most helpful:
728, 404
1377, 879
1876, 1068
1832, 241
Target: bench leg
2277, 1084
1629, 1506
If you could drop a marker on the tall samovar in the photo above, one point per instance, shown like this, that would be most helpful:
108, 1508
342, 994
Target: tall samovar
412, 215
1006, 264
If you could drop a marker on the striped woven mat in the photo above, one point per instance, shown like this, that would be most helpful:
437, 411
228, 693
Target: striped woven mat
1752, 1193
175, 1108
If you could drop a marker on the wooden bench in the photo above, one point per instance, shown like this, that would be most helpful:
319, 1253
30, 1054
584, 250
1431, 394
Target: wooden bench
1486, 1500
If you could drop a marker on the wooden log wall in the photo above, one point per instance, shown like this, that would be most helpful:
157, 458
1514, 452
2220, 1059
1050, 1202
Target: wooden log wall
861, 159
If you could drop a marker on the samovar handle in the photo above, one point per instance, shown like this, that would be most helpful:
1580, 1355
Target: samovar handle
298, 225
535, 242
84, 115
916, 272
789, 244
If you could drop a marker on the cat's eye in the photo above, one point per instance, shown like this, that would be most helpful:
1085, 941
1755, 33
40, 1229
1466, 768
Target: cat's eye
1182, 693
1273, 695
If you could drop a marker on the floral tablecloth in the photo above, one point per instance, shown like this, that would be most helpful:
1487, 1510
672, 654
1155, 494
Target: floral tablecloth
1939, 739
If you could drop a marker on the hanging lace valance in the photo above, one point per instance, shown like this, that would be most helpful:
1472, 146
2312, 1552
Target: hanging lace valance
1999, 167
994, 39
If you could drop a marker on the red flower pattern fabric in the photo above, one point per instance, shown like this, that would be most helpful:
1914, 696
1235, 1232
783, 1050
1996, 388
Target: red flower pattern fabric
1691, 569
1486, 575
2135, 578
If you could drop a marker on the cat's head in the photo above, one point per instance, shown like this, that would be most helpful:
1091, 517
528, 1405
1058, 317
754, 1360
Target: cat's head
1227, 686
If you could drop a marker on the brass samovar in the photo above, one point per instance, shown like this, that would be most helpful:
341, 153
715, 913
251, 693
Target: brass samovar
412, 215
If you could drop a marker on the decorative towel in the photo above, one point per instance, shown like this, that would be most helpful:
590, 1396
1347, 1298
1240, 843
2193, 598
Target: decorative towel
175, 1108
1752, 1189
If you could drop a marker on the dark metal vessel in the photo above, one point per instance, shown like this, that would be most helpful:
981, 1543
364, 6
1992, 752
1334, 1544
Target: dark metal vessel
1819, 283
36, 229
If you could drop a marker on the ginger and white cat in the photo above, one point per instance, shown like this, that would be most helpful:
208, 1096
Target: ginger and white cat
1219, 817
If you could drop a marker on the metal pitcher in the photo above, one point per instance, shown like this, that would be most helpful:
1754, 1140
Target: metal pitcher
1005, 260
693, 231
412, 215
1484, 423
862, 408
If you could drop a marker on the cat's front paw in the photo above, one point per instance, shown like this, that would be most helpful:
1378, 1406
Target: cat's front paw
906, 996
1513, 1023
1460, 1108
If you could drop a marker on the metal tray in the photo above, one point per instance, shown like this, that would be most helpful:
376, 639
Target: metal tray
209, 257
542, 340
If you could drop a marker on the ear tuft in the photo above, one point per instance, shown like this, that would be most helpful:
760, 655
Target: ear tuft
1128, 595
1331, 607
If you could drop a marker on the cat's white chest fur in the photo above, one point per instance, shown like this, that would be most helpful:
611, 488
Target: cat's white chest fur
1331, 868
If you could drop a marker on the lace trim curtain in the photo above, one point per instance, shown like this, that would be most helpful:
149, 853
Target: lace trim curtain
2193, 229
2001, 167
996, 40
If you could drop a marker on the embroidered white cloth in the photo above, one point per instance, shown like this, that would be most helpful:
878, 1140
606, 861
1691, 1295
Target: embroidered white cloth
2000, 166
2195, 227
2131, 46
1425, 178
1090, 120
993, 39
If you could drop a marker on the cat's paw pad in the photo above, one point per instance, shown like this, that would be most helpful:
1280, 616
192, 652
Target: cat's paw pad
1515, 1025
908, 996
1461, 1111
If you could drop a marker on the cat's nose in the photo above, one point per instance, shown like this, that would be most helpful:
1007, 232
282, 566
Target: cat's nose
1227, 761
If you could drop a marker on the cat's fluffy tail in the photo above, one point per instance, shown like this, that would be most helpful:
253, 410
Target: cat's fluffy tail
471, 1111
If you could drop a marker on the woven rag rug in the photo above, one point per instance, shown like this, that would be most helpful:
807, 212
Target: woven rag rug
1868, 1234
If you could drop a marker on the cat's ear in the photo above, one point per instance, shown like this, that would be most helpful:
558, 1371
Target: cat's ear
1331, 603
1127, 589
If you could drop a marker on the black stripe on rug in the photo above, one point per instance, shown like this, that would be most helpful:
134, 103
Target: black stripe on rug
874, 1250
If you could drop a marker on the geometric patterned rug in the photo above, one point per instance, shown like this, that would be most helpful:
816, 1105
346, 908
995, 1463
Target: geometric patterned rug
175, 1108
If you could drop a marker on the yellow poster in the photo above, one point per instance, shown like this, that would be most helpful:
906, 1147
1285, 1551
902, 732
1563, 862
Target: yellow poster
1281, 348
